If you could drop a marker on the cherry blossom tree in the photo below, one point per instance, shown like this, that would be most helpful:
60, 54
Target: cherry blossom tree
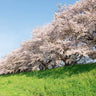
71, 34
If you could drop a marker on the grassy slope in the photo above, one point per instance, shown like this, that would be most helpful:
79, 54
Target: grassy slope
77, 80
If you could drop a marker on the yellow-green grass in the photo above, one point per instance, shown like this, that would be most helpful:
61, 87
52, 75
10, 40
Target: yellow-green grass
77, 80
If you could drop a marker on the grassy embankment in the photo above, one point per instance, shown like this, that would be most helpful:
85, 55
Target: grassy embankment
77, 80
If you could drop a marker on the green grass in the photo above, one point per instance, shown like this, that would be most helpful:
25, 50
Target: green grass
77, 80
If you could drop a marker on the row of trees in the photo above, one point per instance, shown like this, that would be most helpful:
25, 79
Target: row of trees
71, 25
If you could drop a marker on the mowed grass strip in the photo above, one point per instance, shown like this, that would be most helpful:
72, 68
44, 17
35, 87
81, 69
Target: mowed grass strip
76, 80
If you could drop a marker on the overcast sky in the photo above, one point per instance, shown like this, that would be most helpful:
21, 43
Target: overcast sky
19, 17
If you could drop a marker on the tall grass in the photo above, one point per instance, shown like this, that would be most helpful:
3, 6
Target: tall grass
77, 80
